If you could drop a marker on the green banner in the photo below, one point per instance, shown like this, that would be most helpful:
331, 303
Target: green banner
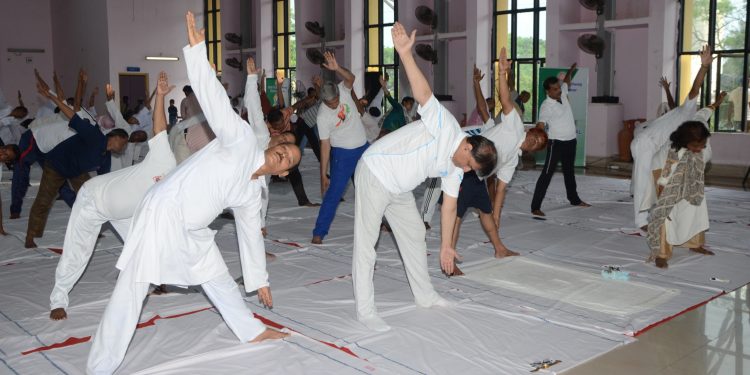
578, 96
271, 90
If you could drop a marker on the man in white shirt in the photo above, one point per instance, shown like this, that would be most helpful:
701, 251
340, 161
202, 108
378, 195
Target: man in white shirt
734, 114
434, 146
510, 140
556, 113
170, 242
112, 198
342, 142
651, 141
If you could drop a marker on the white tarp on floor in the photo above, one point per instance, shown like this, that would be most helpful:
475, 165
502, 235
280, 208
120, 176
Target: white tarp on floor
508, 313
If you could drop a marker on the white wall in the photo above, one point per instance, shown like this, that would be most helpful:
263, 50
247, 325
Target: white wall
140, 28
25, 24
79, 34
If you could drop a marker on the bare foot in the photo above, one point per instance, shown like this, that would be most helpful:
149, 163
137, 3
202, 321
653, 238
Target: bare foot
537, 213
15, 215
30, 244
583, 204
270, 257
701, 250
269, 334
58, 314
644, 228
505, 253
661, 263
317, 240
264, 231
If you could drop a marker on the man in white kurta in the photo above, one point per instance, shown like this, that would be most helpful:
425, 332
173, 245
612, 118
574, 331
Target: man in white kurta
169, 241
112, 198
387, 173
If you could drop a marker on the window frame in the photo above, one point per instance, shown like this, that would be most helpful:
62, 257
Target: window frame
212, 11
381, 66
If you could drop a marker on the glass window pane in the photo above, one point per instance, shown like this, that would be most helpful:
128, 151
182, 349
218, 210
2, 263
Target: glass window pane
501, 5
388, 51
389, 16
218, 4
373, 40
211, 56
280, 20
524, 4
525, 83
292, 51
219, 59
730, 112
689, 66
291, 16
695, 24
211, 36
503, 33
730, 24
281, 52
525, 35
373, 12
542, 3
217, 32
542, 34
392, 77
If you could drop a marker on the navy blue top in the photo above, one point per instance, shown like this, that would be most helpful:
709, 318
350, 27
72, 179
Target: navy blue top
84, 152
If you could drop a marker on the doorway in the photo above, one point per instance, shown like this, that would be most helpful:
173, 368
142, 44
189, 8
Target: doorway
133, 92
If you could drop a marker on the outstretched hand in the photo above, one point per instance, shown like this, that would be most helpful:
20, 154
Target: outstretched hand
195, 36
383, 81
317, 81
279, 77
478, 75
331, 63
41, 86
58, 86
264, 297
162, 85
83, 76
664, 83
109, 91
504, 64
448, 257
251, 68
706, 56
402, 41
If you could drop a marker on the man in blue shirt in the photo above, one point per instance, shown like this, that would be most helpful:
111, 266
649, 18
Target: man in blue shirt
87, 151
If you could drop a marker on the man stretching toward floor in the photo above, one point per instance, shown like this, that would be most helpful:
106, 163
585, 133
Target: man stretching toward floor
170, 241
434, 146
112, 198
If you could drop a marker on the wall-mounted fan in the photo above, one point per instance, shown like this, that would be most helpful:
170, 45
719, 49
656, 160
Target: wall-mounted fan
315, 56
427, 16
592, 45
233, 38
233, 62
597, 5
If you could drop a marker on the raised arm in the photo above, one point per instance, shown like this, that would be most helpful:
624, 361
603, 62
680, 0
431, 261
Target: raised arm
280, 88
706, 60
160, 117
92, 98
58, 86
147, 103
403, 43
228, 126
665, 85
478, 96
252, 100
503, 66
569, 74
332, 64
44, 91
114, 110
20, 99
80, 89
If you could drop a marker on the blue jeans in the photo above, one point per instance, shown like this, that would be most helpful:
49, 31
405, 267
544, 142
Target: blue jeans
343, 163
30, 154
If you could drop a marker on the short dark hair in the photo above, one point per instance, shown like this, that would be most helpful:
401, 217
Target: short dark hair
689, 131
117, 133
275, 116
311, 91
187, 89
25, 123
374, 111
484, 152
541, 135
16, 151
549, 82
406, 99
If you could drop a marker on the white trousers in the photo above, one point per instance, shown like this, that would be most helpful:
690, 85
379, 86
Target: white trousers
642, 180
372, 201
430, 199
83, 229
264, 197
118, 324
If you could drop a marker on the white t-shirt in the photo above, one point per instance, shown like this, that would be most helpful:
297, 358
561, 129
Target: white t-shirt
10, 130
558, 117
343, 125
735, 96
404, 158
372, 126
50, 134
507, 137
117, 194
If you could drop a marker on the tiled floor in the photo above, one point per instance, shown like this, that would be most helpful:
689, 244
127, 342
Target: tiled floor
708, 340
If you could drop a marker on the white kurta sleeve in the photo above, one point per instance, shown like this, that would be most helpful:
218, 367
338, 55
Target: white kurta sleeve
228, 126
436, 117
252, 247
254, 109
116, 115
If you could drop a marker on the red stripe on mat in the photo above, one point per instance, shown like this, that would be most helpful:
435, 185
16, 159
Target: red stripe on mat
55, 250
294, 244
691, 308
70, 341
